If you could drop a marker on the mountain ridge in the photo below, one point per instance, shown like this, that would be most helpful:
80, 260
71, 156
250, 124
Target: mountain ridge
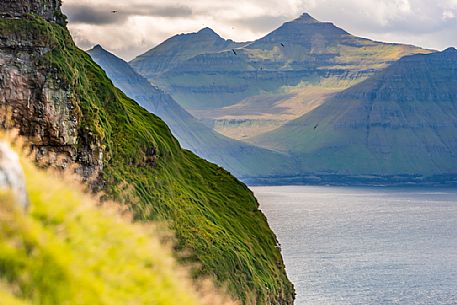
301, 58
170, 53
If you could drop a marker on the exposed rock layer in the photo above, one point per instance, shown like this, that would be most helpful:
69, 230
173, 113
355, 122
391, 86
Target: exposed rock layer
48, 9
35, 100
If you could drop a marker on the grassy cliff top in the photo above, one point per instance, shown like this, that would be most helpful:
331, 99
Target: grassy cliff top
214, 216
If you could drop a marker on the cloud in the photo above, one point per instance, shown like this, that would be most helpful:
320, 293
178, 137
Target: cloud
101, 14
260, 23
141, 24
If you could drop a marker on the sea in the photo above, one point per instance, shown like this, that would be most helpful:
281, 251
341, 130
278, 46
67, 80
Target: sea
348, 246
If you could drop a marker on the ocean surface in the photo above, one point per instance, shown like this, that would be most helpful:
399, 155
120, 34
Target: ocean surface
366, 245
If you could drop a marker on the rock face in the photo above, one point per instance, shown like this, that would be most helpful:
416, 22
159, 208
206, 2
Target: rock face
402, 121
35, 100
48, 9
235, 156
11, 175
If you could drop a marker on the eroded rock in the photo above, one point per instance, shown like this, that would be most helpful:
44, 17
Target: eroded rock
48, 9
35, 100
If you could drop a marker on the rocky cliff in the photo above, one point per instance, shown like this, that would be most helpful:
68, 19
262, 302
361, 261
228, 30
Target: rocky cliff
48, 9
64, 102
39, 102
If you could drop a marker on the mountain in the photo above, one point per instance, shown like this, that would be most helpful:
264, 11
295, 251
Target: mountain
180, 48
68, 108
399, 125
303, 60
239, 158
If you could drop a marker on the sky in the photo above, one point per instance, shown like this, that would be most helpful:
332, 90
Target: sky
139, 25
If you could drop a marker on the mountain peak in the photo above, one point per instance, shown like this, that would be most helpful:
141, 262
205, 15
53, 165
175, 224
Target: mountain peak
450, 50
306, 18
98, 47
208, 32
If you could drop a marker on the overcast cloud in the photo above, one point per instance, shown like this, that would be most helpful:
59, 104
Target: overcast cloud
139, 25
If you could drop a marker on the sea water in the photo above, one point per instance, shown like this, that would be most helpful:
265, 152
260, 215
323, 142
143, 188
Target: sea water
366, 245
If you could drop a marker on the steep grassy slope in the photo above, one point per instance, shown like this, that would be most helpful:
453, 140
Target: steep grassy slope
66, 250
294, 59
402, 121
239, 158
214, 216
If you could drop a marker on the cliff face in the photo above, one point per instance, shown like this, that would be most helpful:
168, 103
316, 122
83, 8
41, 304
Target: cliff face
65, 103
39, 103
48, 9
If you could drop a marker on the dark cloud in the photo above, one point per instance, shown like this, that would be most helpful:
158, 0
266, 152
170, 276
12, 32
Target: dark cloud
98, 15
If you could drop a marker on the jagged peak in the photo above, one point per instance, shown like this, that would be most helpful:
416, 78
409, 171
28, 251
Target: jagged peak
306, 19
206, 30
98, 47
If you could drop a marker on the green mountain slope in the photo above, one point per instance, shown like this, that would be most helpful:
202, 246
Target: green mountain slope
285, 66
239, 158
402, 121
69, 107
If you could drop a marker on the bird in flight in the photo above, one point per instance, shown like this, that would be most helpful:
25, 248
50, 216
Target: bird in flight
234, 52
282, 45
114, 12
315, 127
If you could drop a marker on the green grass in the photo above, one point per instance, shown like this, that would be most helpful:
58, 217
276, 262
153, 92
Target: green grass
66, 250
214, 216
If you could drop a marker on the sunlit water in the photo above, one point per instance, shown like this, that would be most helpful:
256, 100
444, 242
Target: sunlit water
366, 246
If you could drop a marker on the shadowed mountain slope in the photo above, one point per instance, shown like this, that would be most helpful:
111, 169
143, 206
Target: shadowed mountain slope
402, 121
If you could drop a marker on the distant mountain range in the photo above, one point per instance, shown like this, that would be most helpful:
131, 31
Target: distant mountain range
244, 90
337, 108
240, 158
